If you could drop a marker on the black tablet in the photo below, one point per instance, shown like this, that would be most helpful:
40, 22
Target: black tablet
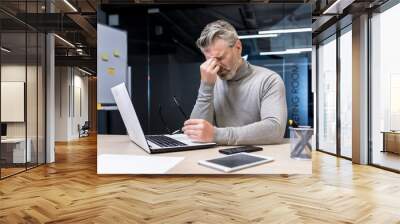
235, 162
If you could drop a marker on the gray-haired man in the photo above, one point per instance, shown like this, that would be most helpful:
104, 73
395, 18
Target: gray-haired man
238, 103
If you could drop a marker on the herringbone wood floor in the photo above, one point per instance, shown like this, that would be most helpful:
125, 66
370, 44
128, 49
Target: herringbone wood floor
70, 191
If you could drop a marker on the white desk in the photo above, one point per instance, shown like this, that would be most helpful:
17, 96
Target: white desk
19, 155
120, 145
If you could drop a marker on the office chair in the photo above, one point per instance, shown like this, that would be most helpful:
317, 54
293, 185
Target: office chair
84, 130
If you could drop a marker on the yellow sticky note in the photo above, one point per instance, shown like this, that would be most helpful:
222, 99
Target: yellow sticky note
104, 56
98, 106
116, 53
111, 71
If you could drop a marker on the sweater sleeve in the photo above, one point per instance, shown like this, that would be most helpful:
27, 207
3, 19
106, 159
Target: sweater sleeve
204, 107
270, 129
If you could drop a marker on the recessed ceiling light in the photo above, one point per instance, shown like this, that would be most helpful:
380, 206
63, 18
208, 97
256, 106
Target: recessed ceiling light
297, 30
84, 71
338, 6
65, 41
70, 5
257, 36
5, 50
288, 51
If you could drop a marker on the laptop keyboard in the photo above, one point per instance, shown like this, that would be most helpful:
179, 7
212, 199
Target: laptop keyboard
164, 141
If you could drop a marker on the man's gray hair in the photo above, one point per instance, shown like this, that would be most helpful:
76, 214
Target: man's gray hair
219, 29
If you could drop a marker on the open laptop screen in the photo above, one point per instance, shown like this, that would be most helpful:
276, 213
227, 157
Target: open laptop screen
129, 116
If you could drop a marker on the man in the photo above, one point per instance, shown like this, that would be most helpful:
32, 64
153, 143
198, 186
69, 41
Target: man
238, 103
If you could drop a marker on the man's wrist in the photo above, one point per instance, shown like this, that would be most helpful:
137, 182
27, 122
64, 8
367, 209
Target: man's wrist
208, 83
217, 134
206, 87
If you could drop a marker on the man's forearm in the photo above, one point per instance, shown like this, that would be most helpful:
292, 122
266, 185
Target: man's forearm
268, 131
204, 107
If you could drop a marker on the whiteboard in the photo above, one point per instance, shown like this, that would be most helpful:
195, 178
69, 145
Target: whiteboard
112, 61
12, 101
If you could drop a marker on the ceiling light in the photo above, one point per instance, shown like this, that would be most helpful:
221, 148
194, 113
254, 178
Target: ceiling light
338, 6
288, 51
299, 50
70, 5
257, 36
153, 11
65, 41
299, 30
5, 50
84, 71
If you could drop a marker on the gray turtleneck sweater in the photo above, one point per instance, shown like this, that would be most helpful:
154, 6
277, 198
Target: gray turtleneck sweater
248, 109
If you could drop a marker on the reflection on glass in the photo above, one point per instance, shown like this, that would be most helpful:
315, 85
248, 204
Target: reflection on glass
346, 94
327, 96
385, 85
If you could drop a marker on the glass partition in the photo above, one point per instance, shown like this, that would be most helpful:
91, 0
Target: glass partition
385, 89
346, 92
326, 117
14, 154
22, 64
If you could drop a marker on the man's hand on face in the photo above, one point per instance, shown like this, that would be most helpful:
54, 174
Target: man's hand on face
199, 130
209, 70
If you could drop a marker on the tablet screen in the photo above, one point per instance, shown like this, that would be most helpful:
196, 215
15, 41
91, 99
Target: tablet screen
236, 160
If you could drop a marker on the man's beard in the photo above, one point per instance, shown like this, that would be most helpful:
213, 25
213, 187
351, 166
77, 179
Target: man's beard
225, 74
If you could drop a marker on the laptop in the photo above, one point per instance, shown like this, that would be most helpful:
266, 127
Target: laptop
150, 143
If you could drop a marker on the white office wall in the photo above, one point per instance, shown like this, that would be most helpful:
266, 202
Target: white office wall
13, 72
62, 81
71, 102
80, 109
82, 83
